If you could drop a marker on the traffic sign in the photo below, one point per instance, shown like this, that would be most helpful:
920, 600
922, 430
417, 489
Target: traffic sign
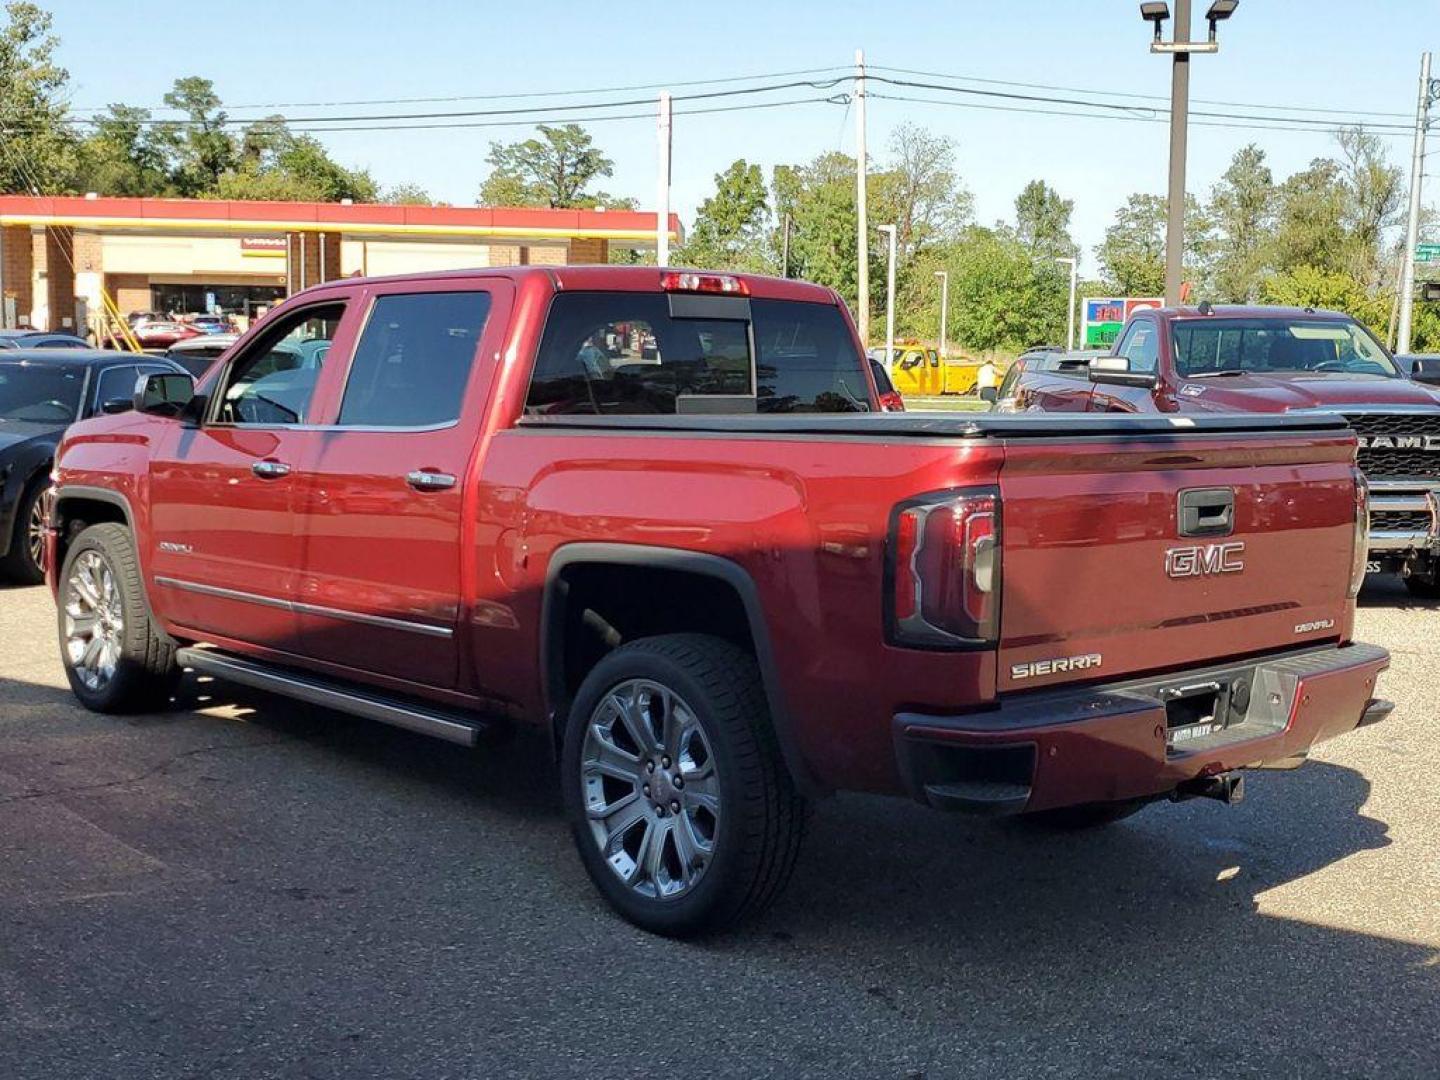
1427, 253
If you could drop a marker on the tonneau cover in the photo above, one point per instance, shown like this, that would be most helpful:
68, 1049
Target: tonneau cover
957, 426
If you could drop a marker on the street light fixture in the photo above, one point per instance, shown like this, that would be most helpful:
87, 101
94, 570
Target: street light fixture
889, 231
1180, 48
944, 276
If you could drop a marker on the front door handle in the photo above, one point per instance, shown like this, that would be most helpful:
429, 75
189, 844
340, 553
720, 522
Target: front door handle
424, 480
270, 470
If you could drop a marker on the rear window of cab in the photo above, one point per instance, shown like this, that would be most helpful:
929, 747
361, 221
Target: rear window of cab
620, 353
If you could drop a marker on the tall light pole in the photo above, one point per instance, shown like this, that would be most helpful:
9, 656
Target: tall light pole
1180, 47
1069, 311
862, 224
1406, 285
944, 276
889, 231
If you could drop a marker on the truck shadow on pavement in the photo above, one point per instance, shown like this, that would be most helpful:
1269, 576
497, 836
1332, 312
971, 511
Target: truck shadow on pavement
909, 942
1388, 591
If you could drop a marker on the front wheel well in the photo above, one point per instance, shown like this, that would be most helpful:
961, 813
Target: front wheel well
76, 514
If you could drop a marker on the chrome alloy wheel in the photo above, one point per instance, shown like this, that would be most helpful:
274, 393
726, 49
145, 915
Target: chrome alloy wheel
35, 533
651, 792
94, 620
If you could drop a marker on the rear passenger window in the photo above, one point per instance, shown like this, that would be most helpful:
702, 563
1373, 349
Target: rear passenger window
621, 354
413, 360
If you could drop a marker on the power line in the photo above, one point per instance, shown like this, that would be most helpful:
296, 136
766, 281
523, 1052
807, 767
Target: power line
509, 97
1279, 124
1145, 97
834, 99
1117, 108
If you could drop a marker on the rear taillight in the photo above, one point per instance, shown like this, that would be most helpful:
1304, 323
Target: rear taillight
945, 570
1360, 553
689, 281
891, 401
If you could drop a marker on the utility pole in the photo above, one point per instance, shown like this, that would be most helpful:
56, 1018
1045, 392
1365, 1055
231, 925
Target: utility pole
1412, 224
662, 212
889, 230
1179, 123
785, 250
862, 224
944, 276
1070, 311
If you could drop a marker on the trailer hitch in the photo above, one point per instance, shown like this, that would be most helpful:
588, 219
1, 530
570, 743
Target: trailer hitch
1228, 788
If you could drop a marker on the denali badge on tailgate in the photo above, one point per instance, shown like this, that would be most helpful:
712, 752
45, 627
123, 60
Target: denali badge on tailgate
1055, 666
1202, 559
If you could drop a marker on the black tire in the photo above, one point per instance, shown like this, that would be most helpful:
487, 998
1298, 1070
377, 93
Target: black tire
1085, 816
762, 817
145, 673
19, 566
1424, 588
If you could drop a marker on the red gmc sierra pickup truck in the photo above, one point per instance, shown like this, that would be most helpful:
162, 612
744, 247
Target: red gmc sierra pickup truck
1221, 359
658, 515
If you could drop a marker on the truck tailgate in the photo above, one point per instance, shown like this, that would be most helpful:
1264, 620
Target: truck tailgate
1100, 578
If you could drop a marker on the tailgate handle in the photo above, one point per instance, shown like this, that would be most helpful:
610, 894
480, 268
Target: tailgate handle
1207, 512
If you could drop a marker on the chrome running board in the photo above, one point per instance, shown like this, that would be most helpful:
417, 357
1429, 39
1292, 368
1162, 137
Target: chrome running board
314, 690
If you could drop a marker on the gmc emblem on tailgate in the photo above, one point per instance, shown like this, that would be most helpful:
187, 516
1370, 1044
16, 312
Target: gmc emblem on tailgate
1201, 560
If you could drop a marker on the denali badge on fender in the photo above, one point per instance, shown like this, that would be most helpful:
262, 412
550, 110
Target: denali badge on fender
1202, 559
1055, 666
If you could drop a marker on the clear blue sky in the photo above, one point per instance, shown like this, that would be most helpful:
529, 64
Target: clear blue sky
1319, 54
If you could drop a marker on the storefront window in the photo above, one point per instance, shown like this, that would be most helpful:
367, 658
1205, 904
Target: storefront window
243, 300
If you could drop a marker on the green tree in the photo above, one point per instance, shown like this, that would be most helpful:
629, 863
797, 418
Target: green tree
819, 199
1242, 206
275, 163
1309, 228
204, 150
729, 230
1042, 221
1133, 252
1372, 188
1001, 296
918, 190
39, 149
407, 195
1335, 290
552, 170
122, 156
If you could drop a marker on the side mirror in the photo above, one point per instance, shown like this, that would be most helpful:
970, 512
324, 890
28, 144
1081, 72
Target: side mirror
1115, 371
117, 405
164, 394
1426, 369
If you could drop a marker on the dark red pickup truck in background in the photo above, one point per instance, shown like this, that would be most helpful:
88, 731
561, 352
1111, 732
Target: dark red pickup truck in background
658, 515
1199, 361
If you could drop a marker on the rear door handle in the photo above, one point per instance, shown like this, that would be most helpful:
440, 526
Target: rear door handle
424, 480
270, 470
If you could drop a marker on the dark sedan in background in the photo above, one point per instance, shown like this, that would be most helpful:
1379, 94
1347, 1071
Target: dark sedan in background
40, 339
42, 392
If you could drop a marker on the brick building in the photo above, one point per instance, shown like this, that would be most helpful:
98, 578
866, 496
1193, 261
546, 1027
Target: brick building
58, 256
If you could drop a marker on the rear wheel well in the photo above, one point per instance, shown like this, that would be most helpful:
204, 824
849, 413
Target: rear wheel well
597, 607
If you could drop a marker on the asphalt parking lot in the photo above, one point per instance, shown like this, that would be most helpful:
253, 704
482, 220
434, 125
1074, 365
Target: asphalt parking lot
249, 888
